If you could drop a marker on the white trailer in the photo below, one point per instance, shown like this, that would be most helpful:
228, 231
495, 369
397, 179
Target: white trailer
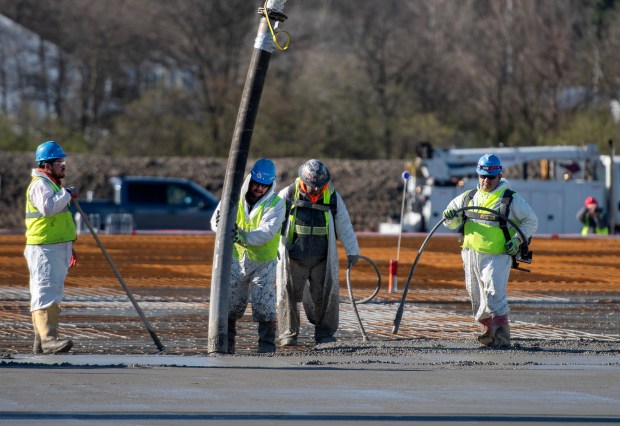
554, 180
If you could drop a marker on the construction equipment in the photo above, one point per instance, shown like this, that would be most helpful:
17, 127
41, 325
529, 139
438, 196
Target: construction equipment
555, 180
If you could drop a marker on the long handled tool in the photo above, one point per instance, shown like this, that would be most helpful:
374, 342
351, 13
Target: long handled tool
525, 256
160, 347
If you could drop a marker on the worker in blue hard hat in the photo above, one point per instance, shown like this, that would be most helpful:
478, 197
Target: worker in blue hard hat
260, 213
50, 232
315, 218
489, 242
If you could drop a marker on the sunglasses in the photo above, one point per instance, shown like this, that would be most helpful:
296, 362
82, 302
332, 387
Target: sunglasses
488, 177
260, 185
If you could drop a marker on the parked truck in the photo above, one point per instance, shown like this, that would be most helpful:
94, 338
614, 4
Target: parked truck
150, 203
555, 180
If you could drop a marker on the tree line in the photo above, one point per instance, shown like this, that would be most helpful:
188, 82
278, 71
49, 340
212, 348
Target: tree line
361, 79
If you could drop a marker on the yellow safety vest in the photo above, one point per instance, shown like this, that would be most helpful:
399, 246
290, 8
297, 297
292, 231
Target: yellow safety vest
482, 235
59, 228
599, 231
266, 252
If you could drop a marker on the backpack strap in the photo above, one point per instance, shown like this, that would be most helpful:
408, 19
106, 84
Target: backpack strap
504, 208
469, 195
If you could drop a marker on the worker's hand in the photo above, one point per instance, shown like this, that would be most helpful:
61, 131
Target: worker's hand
239, 236
449, 214
512, 246
73, 191
353, 258
73, 260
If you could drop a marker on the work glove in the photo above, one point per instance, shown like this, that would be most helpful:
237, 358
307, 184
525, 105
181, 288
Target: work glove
240, 236
73, 191
73, 260
353, 258
449, 214
512, 246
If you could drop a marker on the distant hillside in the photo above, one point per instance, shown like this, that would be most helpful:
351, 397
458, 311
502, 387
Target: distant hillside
371, 189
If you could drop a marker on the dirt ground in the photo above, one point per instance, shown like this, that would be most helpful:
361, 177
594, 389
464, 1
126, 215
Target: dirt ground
568, 302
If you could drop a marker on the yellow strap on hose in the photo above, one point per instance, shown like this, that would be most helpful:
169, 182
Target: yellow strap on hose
274, 33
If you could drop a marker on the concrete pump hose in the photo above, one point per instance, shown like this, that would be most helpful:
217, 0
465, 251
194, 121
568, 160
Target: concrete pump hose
365, 300
401, 306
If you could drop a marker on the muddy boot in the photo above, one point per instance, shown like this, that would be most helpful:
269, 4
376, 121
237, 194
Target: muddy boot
323, 335
266, 337
36, 346
46, 322
501, 336
288, 341
486, 338
232, 333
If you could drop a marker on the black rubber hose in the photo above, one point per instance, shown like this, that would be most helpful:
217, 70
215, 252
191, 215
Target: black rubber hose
401, 307
367, 299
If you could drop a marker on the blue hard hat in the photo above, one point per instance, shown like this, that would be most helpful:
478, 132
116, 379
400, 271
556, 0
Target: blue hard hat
489, 165
48, 151
263, 171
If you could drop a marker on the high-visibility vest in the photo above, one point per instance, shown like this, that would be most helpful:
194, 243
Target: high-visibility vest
59, 228
269, 250
599, 231
482, 231
293, 228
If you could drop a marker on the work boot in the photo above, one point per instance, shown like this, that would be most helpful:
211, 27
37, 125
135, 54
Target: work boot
323, 335
501, 338
486, 338
288, 341
232, 332
496, 332
266, 337
36, 346
46, 322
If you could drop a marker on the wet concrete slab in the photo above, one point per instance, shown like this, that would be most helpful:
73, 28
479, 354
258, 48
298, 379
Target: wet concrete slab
563, 368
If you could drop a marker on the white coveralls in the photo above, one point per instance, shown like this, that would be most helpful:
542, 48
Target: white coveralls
48, 263
486, 275
321, 302
246, 272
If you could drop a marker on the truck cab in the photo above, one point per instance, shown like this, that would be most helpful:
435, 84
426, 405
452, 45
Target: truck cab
155, 203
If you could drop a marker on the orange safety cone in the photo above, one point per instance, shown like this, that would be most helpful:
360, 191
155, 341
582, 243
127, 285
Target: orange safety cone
393, 277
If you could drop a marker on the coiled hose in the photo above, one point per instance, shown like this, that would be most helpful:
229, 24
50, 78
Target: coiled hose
401, 307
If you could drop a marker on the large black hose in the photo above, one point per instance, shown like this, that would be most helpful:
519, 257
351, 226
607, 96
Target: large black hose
401, 307
365, 300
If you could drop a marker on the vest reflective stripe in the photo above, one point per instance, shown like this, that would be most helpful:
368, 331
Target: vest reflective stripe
37, 214
59, 228
483, 235
307, 230
266, 252
311, 230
